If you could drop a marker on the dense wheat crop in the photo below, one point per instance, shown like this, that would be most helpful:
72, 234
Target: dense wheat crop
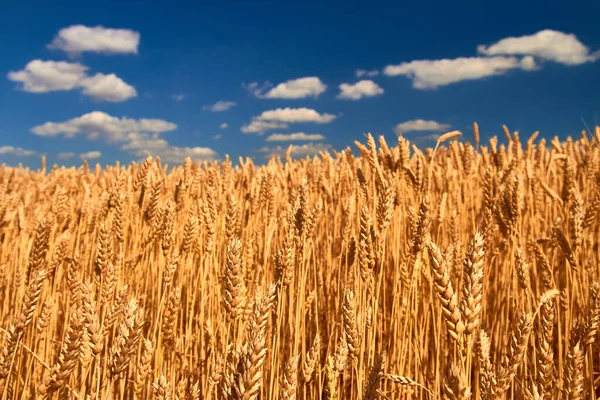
464, 271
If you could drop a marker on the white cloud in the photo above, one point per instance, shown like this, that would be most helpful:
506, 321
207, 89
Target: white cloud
363, 72
430, 74
528, 63
420, 125
65, 155
47, 76
223, 125
90, 155
107, 88
220, 106
217, 136
281, 117
140, 137
293, 137
16, 151
293, 89
364, 88
150, 145
98, 124
546, 44
179, 97
258, 126
77, 39
296, 115
308, 149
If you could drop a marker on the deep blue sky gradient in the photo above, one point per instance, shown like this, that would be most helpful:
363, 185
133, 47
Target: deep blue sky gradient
208, 49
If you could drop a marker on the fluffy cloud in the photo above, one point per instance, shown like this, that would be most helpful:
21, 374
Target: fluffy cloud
65, 155
107, 88
90, 155
217, 136
293, 89
296, 115
145, 145
294, 137
223, 125
16, 151
98, 124
47, 76
220, 106
547, 44
77, 39
363, 72
259, 126
420, 125
308, 149
140, 137
430, 74
364, 88
281, 117
179, 97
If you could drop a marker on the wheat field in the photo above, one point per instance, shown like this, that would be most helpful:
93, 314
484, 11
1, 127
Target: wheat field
464, 271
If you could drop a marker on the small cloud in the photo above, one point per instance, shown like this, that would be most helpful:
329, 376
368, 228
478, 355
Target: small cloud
77, 39
547, 44
259, 126
16, 151
220, 106
420, 125
65, 156
280, 118
292, 137
431, 74
308, 149
98, 124
223, 125
364, 88
528, 64
179, 97
217, 136
363, 72
90, 155
299, 88
48, 76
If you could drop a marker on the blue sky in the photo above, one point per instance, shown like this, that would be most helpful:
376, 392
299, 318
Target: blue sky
121, 80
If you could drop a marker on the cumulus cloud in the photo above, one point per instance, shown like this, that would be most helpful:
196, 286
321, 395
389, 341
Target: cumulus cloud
430, 74
140, 137
16, 151
48, 76
299, 88
90, 155
294, 137
65, 155
363, 72
280, 118
97, 124
364, 88
308, 149
145, 145
420, 125
223, 125
259, 126
77, 39
296, 115
220, 106
547, 44
107, 88
179, 97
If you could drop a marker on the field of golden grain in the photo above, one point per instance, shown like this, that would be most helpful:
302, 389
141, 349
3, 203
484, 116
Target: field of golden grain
464, 271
